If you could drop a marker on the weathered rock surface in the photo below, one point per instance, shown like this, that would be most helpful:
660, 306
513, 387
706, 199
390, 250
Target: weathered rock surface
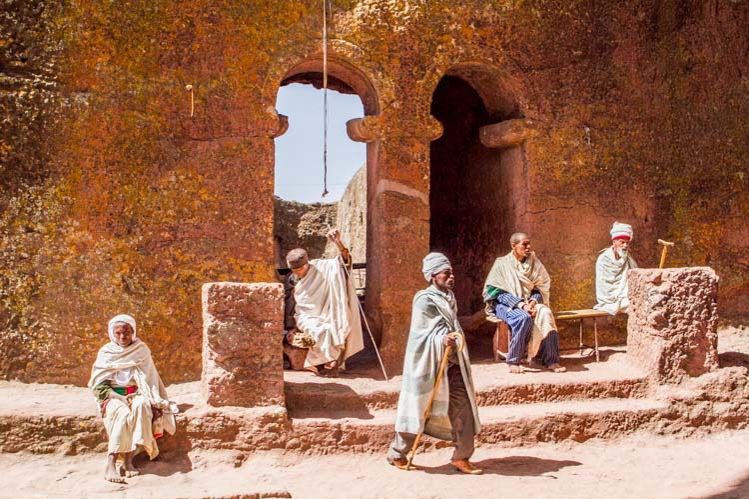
673, 319
115, 198
299, 225
242, 331
351, 217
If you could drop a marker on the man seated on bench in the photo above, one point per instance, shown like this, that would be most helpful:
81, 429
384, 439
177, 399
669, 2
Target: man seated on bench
611, 271
516, 292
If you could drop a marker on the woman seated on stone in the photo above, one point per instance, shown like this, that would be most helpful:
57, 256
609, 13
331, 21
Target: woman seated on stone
131, 397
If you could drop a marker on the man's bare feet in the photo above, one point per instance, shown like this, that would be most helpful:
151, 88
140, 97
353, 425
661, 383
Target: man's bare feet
110, 473
557, 368
130, 469
516, 369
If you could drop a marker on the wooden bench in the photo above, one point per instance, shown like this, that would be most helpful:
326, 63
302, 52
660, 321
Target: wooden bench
501, 340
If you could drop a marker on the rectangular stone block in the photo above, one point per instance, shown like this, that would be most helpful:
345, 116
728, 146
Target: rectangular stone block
673, 318
242, 353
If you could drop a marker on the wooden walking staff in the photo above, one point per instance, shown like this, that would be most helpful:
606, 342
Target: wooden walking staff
461, 344
665, 245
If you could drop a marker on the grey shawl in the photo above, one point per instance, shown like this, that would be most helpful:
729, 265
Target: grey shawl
433, 316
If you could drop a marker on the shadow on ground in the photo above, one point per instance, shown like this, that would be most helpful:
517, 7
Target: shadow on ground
510, 466
166, 464
737, 490
732, 359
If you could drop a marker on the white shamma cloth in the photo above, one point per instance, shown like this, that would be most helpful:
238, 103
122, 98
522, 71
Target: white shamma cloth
611, 281
327, 308
129, 420
434, 315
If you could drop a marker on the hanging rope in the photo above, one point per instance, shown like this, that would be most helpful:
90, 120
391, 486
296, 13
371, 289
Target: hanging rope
325, 96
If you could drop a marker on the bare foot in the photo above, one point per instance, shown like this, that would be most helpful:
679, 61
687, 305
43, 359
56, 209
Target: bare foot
516, 369
110, 473
557, 368
130, 469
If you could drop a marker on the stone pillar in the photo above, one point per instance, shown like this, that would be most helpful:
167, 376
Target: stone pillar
242, 356
673, 317
397, 221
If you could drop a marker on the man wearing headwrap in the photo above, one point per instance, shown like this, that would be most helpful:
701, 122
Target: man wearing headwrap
131, 396
454, 414
517, 292
611, 271
326, 309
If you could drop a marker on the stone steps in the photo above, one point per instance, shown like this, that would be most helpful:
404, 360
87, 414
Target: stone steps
516, 424
54, 418
308, 395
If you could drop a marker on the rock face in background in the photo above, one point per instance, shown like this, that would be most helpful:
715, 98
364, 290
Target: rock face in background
673, 320
115, 198
351, 218
242, 331
299, 225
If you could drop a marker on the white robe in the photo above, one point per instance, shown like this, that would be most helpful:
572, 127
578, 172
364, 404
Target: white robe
520, 279
434, 315
130, 424
328, 310
611, 282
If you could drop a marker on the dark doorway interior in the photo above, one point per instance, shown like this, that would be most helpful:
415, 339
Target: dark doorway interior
470, 190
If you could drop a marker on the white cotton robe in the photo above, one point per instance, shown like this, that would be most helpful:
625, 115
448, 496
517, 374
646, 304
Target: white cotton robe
327, 309
131, 424
520, 279
611, 282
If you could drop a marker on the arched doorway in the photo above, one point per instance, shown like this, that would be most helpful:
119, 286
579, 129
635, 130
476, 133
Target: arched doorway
354, 216
475, 190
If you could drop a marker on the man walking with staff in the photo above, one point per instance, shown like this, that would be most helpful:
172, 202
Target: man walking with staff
453, 414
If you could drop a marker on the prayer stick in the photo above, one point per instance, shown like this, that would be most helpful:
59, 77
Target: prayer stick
665, 245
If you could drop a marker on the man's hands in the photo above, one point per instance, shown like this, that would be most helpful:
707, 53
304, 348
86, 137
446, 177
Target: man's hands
449, 341
334, 236
530, 307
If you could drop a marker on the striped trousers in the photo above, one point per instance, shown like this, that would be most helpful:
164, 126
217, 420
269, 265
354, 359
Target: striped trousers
520, 323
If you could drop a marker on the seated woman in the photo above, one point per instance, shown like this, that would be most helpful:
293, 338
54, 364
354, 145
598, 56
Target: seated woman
131, 397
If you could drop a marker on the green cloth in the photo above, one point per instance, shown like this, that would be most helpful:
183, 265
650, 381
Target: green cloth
103, 389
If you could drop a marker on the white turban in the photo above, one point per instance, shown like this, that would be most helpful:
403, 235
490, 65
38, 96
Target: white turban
620, 230
121, 319
434, 263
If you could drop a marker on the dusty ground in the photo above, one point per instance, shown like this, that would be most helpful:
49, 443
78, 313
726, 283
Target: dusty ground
639, 467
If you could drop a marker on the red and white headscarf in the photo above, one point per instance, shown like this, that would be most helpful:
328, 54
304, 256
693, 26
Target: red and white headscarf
621, 231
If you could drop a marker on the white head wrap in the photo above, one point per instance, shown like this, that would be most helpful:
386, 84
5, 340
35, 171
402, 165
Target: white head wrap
124, 319
621, 230
434, 263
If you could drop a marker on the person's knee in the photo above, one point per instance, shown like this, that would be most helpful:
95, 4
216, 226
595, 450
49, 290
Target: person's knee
140, 404
525, 324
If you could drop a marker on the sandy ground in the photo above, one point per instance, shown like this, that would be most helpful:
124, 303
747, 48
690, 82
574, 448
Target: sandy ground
640, 467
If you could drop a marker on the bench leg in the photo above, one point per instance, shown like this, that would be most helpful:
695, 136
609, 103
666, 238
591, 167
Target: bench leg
595, 336
581, 338
501, 341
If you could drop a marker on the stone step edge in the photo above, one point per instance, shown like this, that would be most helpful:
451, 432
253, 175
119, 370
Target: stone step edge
510, 412
530, 393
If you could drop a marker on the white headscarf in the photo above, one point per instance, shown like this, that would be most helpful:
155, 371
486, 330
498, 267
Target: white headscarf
123, 376
434, 263
619, 230
121, 319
